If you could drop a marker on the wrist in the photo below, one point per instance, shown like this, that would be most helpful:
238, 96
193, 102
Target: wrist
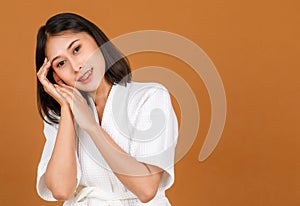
64, 109
93, 128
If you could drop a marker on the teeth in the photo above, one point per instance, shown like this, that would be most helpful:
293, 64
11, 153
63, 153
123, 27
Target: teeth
85, 76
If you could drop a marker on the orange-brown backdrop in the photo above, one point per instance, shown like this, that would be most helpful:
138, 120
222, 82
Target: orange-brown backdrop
254, 45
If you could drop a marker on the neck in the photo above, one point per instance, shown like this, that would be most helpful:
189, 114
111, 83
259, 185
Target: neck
102, 91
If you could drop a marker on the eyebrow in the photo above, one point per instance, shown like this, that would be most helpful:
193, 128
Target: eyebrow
70, 45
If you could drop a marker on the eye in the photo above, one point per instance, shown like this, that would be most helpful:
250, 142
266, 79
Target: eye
60, 64
76, 49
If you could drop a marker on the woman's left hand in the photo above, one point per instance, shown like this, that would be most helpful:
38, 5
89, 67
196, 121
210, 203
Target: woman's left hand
78, 105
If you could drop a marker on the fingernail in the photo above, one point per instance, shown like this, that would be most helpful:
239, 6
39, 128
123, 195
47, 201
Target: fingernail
45, 60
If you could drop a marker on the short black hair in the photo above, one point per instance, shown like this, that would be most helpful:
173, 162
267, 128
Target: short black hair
117, 69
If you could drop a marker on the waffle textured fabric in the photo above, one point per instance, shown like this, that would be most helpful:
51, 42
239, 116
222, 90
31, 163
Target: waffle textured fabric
140, 118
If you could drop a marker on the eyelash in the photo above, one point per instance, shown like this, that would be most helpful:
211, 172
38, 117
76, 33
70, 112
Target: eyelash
59, 64
75, 51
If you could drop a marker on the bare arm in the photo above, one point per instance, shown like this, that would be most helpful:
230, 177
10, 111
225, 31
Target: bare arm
141, 179
60, 176
61, 172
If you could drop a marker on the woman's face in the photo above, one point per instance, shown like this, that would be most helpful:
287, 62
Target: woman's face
76, 60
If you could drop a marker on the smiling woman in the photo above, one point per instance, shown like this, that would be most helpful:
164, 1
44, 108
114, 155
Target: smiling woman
88, 157
76, 60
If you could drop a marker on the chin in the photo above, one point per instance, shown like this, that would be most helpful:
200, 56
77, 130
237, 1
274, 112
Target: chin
88, 87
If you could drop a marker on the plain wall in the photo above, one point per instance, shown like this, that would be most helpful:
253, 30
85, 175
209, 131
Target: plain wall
255, 46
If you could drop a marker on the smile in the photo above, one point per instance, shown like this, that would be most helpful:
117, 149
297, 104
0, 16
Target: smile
85, 76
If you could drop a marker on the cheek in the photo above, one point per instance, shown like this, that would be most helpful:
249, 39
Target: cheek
97, 60
66, 77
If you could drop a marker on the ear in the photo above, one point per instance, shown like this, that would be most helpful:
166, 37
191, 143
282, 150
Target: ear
57, 79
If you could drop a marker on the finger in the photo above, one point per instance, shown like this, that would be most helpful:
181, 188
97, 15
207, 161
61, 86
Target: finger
57, 79
66, 88
74, 90
58, 93
42, 74
66, 94
43, 66
45, 60
73, 94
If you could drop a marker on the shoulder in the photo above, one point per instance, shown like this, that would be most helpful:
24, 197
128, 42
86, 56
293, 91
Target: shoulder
145, 86
146, 94
145, 90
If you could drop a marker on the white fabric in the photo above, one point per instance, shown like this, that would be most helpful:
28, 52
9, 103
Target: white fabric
141, 120
109, 199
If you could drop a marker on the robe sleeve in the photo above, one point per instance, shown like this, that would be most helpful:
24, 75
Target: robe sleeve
50, 132
154, 130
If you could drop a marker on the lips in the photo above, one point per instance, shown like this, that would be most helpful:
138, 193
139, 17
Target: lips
85, 75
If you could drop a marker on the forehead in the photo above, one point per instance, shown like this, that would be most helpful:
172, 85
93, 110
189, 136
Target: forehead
59, 43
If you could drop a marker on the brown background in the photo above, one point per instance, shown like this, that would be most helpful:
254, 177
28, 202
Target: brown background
254, 45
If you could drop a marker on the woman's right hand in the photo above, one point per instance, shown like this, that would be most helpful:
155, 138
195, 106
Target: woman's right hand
48, 86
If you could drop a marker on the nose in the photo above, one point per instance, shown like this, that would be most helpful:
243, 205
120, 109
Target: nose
76, 65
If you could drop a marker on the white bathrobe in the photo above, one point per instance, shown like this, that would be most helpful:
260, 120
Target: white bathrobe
141, 120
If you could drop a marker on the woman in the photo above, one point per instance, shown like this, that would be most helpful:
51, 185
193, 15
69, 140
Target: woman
109, 140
